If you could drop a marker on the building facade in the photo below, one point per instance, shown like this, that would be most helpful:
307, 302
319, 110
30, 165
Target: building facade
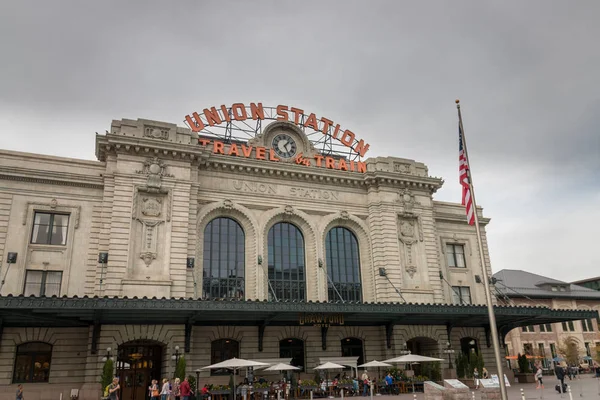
178, 244
545, 341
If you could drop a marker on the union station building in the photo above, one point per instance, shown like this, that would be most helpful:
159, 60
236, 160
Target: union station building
178, 243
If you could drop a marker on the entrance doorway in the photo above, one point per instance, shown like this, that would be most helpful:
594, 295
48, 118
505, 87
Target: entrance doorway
138, 362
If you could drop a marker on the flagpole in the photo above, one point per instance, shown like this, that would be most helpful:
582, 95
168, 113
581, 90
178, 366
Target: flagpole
486, 283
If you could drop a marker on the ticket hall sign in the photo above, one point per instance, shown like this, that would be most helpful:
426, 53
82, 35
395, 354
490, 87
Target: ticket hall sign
240, 112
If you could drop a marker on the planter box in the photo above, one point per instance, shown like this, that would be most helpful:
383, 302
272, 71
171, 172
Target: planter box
227, 391
525, 378
309, 387
345, 386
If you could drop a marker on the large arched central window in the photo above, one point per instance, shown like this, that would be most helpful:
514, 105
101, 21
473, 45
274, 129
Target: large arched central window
286, 263
343, 265
32, 362
223, 260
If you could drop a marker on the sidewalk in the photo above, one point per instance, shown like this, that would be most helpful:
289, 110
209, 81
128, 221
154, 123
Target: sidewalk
584, 387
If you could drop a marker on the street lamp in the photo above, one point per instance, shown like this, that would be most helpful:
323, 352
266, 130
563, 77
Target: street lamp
197, 382
176, 355
108, 355
404, 350
449, 350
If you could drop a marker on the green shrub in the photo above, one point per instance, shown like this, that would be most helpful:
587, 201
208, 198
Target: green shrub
107, 373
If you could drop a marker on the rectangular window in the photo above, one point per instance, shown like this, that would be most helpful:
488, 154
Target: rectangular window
568, 326
546, 328
528, 328
542, 353
42, 283
461, 295
50, 228
588, 350
553, 350
528, 348
455, 254
587, 325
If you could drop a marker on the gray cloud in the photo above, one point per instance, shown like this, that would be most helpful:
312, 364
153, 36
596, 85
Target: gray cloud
526, 73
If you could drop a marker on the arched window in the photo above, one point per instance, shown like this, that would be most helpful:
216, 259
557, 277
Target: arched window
294, 349
223, 260
286, 263
221, 350
32, 362
343, 265
469, 345
353, 347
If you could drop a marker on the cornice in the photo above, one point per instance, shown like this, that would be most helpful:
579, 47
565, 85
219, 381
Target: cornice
455, 218
251, 167
120, 144
51, 178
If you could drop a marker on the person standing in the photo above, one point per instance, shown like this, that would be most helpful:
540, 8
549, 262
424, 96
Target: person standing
538, 377
476, 378
113, 389
185, 389
165, 392
560, 375
177, 388
20, 392
366, 382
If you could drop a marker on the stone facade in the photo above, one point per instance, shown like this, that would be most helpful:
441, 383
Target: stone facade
146, 202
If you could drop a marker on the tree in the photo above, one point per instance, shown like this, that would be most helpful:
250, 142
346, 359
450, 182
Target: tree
107, 374
523, 363
569, 349
180, 369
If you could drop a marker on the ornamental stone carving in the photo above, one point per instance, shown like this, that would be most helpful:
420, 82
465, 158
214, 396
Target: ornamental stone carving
407, 199
156, 133
155, 170
152, 207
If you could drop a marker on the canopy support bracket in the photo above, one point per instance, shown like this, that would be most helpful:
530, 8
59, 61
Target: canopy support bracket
187, 344
389, 331
324, 337
261, 335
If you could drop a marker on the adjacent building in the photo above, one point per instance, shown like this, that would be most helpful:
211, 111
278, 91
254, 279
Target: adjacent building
277, 247
520, 288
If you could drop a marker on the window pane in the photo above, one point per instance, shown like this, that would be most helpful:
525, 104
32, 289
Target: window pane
286, 262
224, 253
32, 362
343, 265
53, 282
460, 259
450, 255
33, 283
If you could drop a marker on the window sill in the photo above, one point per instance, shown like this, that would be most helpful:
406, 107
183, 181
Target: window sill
47, 247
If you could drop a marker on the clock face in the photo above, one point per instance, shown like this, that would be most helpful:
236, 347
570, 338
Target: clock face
284, 146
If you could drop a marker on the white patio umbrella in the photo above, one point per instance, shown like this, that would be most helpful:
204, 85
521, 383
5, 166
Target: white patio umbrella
327, 366
411, 358
375, 363
281, 367
234, 364
408, 358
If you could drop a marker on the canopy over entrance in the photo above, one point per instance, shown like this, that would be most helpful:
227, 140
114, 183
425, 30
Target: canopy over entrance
65, 311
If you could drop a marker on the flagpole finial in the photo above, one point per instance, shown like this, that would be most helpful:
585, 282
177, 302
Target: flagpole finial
457, 101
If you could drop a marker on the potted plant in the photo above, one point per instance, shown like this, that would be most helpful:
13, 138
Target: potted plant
345, 384
107, 376
261, 387
524, 375
221, 389
309, 384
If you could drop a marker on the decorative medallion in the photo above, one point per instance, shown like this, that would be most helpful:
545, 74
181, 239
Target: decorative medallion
156, 133
407, 228
411, 270
151, 207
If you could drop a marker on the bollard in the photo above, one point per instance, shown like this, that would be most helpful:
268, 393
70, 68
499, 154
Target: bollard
473, 395
311, 394
570, 393
342, 393
522, 394
414, 396
371, 389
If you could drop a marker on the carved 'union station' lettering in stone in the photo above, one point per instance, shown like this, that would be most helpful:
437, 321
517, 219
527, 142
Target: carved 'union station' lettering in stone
314, 194
254, 187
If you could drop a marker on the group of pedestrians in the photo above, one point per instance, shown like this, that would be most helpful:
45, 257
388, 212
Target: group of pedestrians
175, 390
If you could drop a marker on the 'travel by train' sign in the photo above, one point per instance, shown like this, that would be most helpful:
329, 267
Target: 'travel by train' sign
239, 112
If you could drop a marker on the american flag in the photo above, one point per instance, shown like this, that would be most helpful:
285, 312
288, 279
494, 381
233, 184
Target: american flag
463, 178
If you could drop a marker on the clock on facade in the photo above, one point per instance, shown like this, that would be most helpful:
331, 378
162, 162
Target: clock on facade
284, 146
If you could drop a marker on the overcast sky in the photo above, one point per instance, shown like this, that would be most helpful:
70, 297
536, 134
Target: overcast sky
527, 74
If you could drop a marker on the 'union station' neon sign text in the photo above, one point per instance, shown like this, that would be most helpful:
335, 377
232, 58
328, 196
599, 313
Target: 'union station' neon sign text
239, 112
